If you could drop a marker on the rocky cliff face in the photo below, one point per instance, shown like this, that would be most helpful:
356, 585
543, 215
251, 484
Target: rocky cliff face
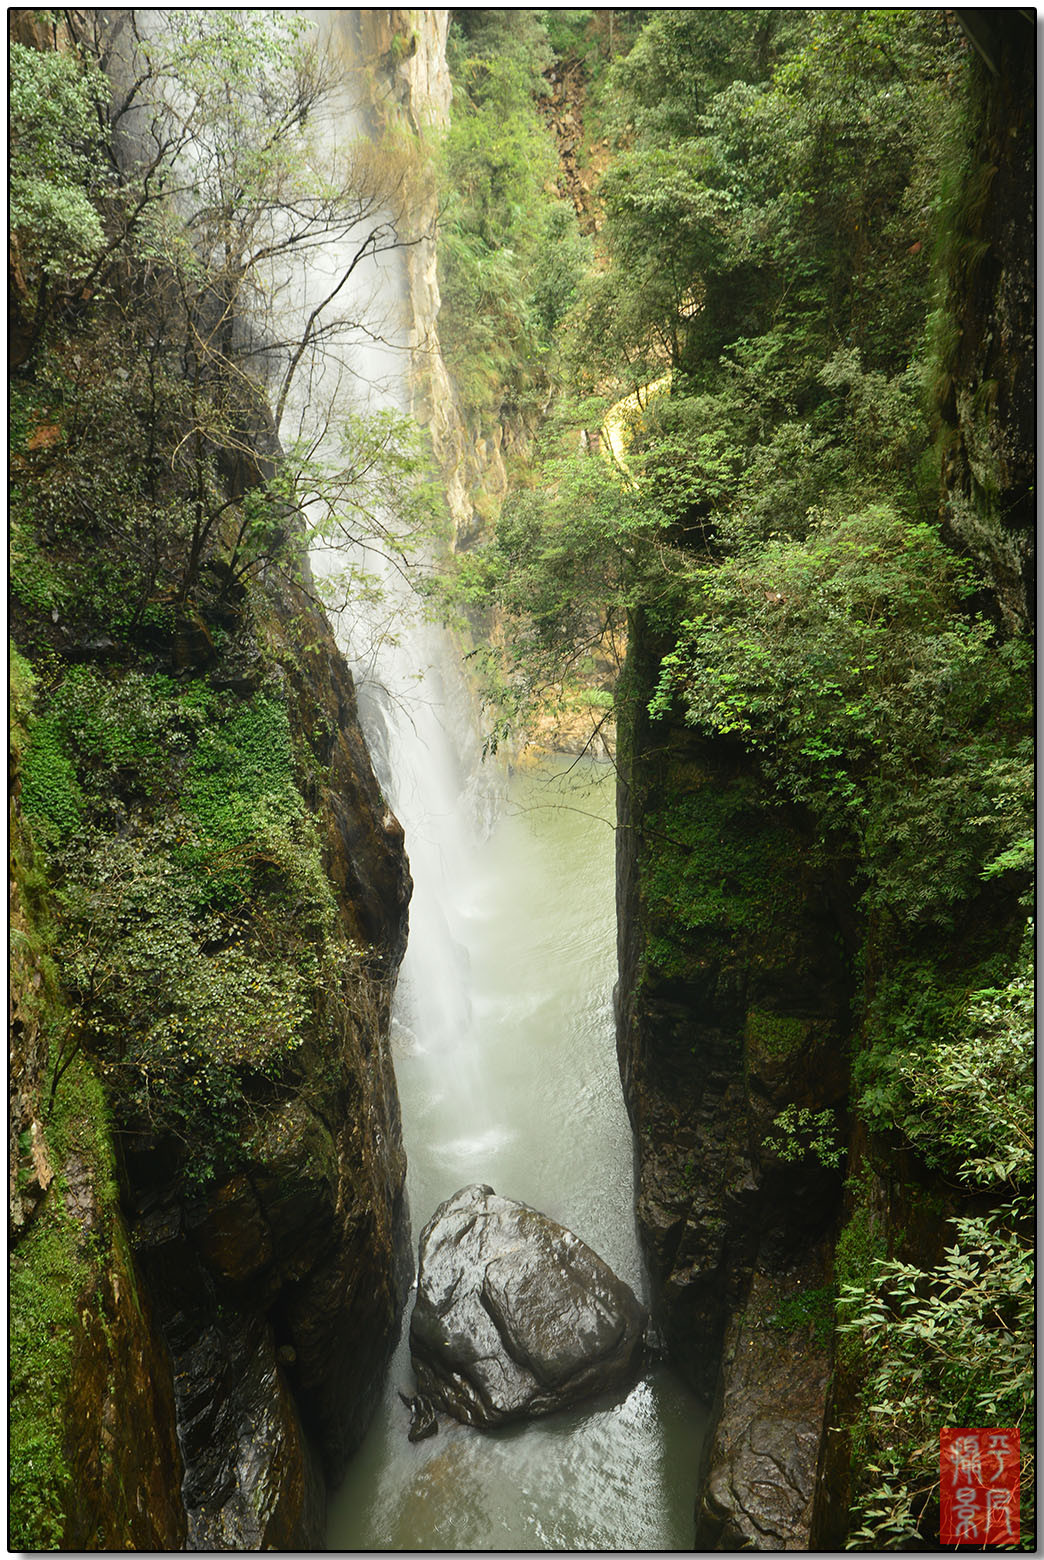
245, 1330
732, 1005
738, 993
279, 1295
986, 389
405, 51
195, 1359
986, 403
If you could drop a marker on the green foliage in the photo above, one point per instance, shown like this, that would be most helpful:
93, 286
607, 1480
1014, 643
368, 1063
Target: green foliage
187, 1009
129, 724
860, 1246
510, 255
811, 1308
98, 743
34, 579
50, 1271
193, 938
127, 532
563, 255
563, 564
568, 30
859, 1249
913, 1005
237, 767
955, 1073
799, 1134
100, 525
681, 59
786, 188
844, 662
687, 463
109, 534
55, 169
952, 1345
380, 496
50, 791
666, 230
771, 212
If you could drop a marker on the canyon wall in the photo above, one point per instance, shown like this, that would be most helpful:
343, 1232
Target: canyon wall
194, 1358
749, 971
409, 89
255, 1319
732, 1004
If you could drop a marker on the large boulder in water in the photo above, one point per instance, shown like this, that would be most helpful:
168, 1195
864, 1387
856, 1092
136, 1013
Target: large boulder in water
516, 1316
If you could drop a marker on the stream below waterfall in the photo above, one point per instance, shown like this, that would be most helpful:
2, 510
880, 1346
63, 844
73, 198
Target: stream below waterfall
505, 1056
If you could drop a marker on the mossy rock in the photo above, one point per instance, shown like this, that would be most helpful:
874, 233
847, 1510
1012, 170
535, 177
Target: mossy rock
776, 1034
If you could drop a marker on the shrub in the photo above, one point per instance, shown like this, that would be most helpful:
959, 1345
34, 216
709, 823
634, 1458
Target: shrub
845, 663
950, 1345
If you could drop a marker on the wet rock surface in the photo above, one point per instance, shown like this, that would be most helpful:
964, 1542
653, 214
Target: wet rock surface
424, 1421
720, 1025
762, 1475
515, 1316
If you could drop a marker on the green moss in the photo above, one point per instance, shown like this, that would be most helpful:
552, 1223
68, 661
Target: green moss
860, 1246
45, 1279
775, 1033
79, 1124
811, 1308
50, 791
718, 863
21, 696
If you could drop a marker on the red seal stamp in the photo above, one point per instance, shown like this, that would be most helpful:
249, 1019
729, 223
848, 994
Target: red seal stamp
979, 1487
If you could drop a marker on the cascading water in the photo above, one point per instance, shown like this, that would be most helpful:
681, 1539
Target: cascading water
504, 1054
618, 1473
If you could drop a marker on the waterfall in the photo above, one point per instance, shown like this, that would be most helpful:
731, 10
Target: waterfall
502, 1028
414, 705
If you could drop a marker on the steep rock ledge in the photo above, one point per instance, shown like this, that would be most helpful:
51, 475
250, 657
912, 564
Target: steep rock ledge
279, 1294
733, 1003
255, 1319
408, 87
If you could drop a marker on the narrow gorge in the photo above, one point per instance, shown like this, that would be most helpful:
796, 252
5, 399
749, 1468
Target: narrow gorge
522, 603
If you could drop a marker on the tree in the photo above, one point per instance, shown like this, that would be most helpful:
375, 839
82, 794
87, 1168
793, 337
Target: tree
498, 224
57, 234
217, 194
